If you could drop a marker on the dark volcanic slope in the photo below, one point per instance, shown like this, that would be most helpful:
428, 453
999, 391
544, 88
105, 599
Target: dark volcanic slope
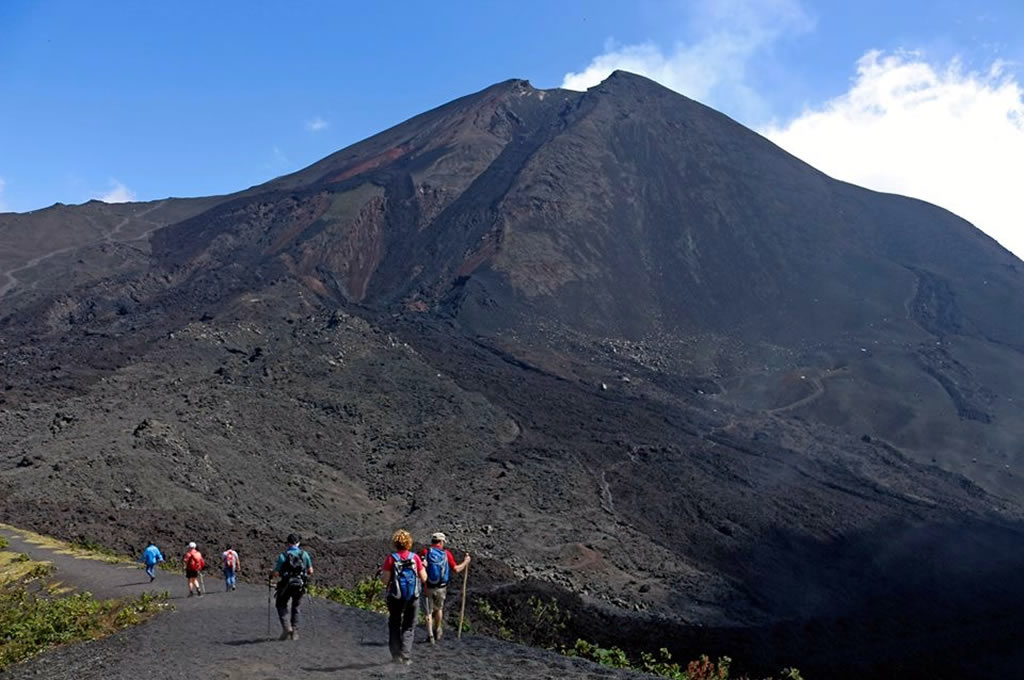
611, 341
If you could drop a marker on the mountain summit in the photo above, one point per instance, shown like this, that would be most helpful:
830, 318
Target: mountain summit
612, 342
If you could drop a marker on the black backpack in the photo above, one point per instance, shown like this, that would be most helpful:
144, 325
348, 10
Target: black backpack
293, 571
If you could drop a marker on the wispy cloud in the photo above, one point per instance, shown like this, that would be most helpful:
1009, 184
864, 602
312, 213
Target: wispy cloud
937, 132
317, 124
3, 187
118, 193
713, 67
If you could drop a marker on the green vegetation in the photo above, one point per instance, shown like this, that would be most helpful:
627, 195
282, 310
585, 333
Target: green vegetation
33, 622
368, 594
37, 614
83, 548
544, 623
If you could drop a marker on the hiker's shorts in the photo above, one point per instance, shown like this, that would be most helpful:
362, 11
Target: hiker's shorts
191, 573
433, 598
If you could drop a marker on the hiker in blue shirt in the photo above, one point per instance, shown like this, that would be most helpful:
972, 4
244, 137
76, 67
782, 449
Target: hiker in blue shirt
294, 567
150, 557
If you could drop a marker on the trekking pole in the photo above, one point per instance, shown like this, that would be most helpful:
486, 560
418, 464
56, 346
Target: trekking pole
462, 609
309, 598
269, 598
374, 583
202, 583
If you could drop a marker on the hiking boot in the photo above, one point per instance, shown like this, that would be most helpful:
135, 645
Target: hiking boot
285, 635
190, 593
295, 634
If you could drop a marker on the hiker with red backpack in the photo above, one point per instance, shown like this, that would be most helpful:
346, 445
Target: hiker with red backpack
404, 575
194, 563
439, 563
231, 567
294, 567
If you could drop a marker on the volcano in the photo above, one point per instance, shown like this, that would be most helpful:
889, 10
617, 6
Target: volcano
619, 347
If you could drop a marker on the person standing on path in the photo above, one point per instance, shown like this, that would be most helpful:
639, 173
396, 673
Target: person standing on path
294, 567
404, 575
231, 567
194, 563
151, 556
439, 563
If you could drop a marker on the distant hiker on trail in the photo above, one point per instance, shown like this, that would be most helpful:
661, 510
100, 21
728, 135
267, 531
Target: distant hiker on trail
151, 557
439, 563
194, 563
404, 574
231, 567
294, 567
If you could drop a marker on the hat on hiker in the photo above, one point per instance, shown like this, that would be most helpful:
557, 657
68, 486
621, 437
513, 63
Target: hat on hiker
192, 544
437, 537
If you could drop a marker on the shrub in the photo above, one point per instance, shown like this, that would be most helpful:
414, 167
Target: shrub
32, 622
368, 594
613, 657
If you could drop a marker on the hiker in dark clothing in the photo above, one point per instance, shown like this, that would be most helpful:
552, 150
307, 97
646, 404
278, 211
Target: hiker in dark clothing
294, 567
404, 575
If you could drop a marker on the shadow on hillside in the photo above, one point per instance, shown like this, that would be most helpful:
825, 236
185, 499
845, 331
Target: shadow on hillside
925, 601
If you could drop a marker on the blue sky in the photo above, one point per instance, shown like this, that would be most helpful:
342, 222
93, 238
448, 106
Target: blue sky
129, 100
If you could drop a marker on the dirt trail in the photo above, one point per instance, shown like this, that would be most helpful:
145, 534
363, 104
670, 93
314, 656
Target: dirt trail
223, 635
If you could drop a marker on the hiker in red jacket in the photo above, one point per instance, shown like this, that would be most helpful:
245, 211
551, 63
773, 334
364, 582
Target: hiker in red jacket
404, 575
439, 563
194, 563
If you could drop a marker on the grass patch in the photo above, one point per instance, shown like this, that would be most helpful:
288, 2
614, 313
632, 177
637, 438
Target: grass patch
33, 621
82, 549
37, 613
20, 567
368, 595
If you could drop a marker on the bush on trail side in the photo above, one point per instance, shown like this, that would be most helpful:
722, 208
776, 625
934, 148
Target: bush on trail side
33, 621
662, 665
545, 623
368, 594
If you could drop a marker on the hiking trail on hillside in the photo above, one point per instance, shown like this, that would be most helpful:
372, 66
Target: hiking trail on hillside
224, 635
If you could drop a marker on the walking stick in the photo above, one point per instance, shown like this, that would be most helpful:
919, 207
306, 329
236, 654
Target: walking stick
462, 610
202, 583
270, 596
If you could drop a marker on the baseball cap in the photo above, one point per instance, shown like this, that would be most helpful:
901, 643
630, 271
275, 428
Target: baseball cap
192, 544
438, 536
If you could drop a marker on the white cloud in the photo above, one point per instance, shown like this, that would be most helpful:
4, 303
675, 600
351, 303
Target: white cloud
3, 186
939, 133
712, 68
317, 124
118, 193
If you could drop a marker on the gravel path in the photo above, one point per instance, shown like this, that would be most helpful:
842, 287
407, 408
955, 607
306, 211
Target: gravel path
224, 635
